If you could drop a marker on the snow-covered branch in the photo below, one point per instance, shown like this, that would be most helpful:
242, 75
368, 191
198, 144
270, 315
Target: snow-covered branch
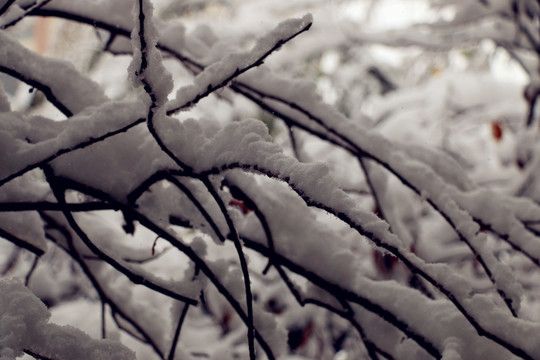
326, 230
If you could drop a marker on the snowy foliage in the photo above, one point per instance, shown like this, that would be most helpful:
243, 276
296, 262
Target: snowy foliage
262, 180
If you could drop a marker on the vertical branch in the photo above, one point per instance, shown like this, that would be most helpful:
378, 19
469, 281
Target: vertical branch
177, 332
149, 83
238, 193
243, 265
103, 323
294, 144
31, 271
142, 39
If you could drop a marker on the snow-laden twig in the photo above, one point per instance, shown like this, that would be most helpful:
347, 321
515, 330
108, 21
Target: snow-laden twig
221, 73
333, 288
146, 68
60, 82
23, 14
87, 128
387, 315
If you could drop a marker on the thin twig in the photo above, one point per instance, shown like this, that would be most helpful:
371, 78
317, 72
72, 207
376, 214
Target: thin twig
243, 264
21, 242
31, 271
66, 150
52, 206
6, 6
176, 336
22, 16
239, 71
103, 322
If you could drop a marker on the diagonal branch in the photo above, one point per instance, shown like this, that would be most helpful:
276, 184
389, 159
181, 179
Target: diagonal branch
220, 74
21, 243
23, 15
67, 149
6, 6
46, 90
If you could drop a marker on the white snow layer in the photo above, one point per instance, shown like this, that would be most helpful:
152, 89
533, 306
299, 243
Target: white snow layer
24, 326
4, 101
419, 175
112, 13
233, 64
26, 141
67, 85
146, 68
26, 226
254, 151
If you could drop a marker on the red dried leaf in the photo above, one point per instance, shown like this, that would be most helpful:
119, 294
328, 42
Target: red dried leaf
239, 204
497, 130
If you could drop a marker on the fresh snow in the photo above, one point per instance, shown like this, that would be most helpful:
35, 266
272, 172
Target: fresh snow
436, 217
24, 326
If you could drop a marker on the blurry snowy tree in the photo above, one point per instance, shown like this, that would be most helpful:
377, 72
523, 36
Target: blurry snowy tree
386, 209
